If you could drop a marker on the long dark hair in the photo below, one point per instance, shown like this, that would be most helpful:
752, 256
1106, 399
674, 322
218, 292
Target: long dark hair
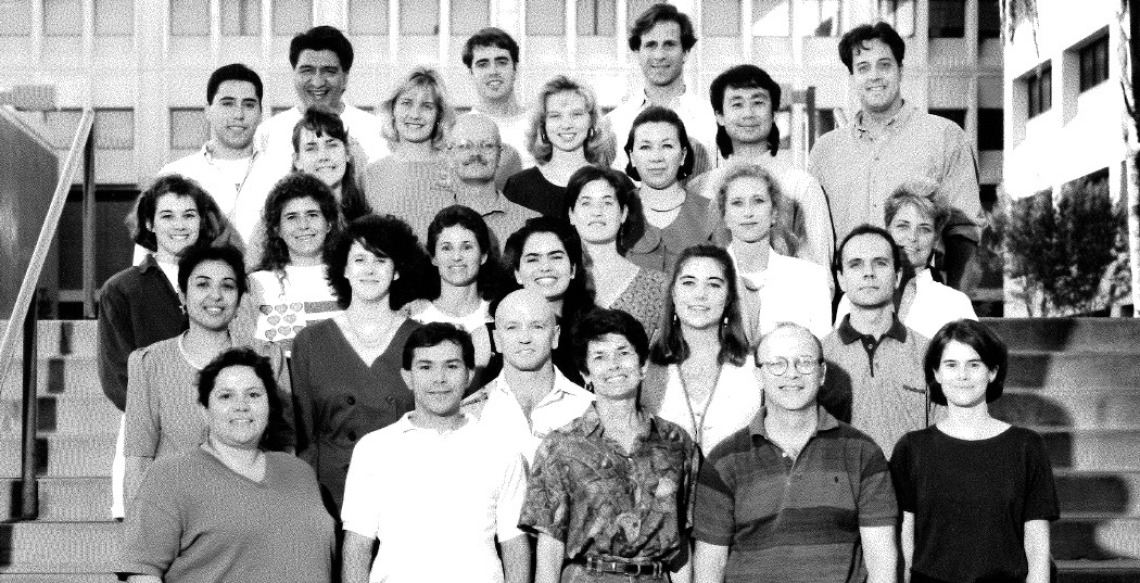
353, 204
670, 346
274, 251
578, 298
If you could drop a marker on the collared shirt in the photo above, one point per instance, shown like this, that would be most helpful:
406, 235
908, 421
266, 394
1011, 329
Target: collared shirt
878, 384
696, 113
497, 407
793, 518
502, 216
789, 290
423, 492
658, 248
859, 173
587, 492
932, 306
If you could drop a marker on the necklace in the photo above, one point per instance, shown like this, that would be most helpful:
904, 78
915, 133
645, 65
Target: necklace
194, 361
698, 427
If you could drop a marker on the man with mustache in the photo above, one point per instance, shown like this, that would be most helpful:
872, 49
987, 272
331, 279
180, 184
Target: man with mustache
473, 151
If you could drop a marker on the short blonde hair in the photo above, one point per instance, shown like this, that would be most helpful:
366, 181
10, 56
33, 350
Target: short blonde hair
599, 146
787, 231
923, 195
419, 77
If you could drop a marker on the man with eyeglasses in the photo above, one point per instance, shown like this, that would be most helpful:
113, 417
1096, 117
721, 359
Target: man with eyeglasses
877, 382
473, 151
796, 496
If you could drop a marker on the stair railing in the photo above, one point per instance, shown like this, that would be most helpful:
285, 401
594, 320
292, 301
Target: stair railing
24, 311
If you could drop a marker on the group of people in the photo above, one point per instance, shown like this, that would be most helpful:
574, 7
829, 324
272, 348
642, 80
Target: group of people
549, 344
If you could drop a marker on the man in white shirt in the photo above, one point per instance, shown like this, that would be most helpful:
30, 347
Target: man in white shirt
434, 488
662, 38
222, 166
530, 398
492, 57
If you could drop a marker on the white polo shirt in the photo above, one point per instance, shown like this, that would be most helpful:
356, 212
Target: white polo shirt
435, 501
496, 407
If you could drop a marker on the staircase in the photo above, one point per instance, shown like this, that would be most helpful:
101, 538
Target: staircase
1077, 382
74, 539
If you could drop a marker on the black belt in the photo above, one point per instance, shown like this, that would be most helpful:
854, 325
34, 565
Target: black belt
633, 568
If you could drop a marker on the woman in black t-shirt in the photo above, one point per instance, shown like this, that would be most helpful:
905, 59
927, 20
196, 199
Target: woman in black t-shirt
976, 493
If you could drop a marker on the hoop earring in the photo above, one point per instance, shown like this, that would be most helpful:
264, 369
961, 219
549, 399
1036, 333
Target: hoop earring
590, 134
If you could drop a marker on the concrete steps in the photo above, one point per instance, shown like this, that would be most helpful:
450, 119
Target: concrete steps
47, 547
61, 499
1077, 382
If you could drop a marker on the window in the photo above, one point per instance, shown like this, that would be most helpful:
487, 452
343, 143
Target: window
61, 125
17, 19
190, 17
771, 17
1040, 88
63, 18
114, 17
991, 129
419, 18
188, 128
899, 14
947, 18
368, 17
957, 116
469, 16
596, 17
721, 18
634, 8
820, 17
241, 17
548, 17
115, 129
1094, 63
291, 17
989, 19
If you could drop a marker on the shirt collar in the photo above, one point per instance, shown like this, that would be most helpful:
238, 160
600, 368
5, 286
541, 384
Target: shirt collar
482, 204
148, 264
590, 423
849, 335
405, 425
898, 119
825, 422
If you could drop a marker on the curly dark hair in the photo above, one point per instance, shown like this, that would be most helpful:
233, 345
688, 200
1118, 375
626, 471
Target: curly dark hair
322, 38
383, 236
274, 251
141, 220
491, 274
201, 253
244, 356
600, 322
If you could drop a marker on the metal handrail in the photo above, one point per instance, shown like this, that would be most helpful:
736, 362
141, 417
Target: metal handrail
24, 313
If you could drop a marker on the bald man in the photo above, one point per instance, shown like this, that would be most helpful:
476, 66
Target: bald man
796, 496
474, 150
530, 397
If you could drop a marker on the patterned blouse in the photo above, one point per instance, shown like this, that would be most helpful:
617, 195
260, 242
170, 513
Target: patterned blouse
586, 492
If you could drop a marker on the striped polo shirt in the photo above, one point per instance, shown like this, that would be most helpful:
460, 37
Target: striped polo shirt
788, 520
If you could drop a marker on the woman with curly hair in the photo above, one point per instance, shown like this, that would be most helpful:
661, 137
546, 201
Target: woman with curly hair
413, 182
566, 133
288, 290
346, 369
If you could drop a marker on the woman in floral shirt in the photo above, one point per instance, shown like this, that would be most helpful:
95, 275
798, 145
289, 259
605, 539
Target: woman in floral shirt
610, 493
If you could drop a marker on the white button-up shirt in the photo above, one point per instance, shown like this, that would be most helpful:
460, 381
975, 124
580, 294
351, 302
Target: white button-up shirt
436, 501
497, 408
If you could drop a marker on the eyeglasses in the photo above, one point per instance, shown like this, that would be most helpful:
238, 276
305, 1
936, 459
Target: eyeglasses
466, 147
803, 364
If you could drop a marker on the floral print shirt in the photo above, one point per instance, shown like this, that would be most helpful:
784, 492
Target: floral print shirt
585, 491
